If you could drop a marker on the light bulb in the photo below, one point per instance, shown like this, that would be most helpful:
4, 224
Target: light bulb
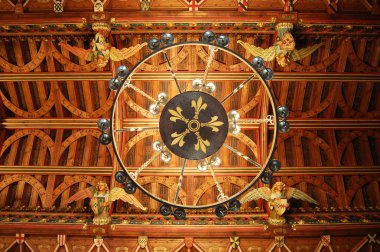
154, 109
202, 165
197, 83
166, 156
215, 161
235, 129
157, 145
162, 97
210, 87
234, 115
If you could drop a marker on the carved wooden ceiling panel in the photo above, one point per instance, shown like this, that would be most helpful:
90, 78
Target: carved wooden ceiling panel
51, 101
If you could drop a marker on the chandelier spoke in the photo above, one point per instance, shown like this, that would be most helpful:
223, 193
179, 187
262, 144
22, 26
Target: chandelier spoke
134, 175
136, 129
171, 70
221, 196
242, 155
136, 89
180, 181
212, 50
238, 88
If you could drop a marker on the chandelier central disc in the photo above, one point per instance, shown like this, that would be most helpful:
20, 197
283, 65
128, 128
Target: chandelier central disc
193, 125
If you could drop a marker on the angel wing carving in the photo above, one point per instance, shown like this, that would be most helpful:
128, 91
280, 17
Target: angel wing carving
304, 52
119, 193
77, 51
300, 195
101, 200
125, 53
255, 194
267, 54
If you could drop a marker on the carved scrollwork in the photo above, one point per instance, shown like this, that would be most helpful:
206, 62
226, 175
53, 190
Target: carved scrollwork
45, 108
46, 140
36, 61
32, 181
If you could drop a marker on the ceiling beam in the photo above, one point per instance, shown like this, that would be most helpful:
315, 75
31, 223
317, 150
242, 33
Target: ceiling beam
279, 76
127, 17
190, 171
69, 123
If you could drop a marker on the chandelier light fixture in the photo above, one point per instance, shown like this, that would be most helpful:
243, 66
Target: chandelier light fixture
190, 122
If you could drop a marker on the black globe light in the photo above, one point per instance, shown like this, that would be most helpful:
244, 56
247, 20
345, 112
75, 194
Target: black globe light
191, 125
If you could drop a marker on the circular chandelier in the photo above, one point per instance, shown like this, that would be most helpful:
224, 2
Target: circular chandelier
192, 125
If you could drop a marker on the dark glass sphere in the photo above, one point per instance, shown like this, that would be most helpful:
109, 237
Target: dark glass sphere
257, 62
282, 111
103, 124
208, 36
153, 44
274, 165
221, 211
121, 176
267, 73
283, 126
105, 138
122, 71
167, 38
114, 84
222, 40
130, 187
234, 205
266, 177
179, 214
165, 210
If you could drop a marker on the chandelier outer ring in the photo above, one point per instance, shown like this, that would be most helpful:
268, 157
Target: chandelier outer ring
268, 156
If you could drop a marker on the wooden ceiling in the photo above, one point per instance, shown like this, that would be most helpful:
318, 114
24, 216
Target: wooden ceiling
51, 101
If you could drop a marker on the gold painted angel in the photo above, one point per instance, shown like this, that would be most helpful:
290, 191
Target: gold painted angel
277, 198
101, 200
283, 49
102, 51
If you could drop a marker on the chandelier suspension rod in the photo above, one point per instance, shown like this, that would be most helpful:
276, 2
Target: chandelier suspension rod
171, 70
242, 155
238, 88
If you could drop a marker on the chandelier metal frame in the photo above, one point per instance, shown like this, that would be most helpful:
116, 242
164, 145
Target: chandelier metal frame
122, 81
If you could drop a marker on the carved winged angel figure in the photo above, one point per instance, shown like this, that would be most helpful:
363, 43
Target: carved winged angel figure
283, 49
277, 198
102, 51
101, 200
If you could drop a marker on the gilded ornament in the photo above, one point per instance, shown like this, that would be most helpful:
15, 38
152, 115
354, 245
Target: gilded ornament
277, 198
283, 49
102, 51
101, 200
